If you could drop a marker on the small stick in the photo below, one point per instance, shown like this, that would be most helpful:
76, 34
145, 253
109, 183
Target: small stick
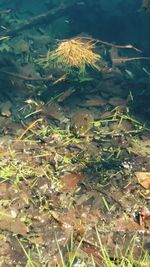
27, 129
128, 46
26, 78
121, 59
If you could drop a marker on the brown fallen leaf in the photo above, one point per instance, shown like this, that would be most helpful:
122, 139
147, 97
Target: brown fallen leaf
69, 221
65, 95
14, 225
94, 102
117, 101
143, 179
69, 182
4, 190
127, 224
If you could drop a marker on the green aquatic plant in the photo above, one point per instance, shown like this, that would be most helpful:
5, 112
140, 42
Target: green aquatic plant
2, 38
73, 254
15, 172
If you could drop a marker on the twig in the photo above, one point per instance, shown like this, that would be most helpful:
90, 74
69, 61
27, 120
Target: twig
26, 78
128, 46
124, 59
50, 15
27, 129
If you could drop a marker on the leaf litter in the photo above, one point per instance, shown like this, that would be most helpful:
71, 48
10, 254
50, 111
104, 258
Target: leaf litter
71, 187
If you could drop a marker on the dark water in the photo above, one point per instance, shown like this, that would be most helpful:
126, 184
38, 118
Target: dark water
118, 21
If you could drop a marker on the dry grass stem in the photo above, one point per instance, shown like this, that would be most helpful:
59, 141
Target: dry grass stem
76, 53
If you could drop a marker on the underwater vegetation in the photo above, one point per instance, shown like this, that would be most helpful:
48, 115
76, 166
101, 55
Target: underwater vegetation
73, 54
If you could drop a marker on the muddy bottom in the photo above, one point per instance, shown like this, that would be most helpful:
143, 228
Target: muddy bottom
68, 198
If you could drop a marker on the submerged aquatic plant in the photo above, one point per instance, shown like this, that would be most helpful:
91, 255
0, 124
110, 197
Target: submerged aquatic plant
72, 54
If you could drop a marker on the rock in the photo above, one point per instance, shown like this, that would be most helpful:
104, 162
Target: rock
81, 122
5, 109
54, 111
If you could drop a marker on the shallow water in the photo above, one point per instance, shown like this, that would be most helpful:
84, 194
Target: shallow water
74, 135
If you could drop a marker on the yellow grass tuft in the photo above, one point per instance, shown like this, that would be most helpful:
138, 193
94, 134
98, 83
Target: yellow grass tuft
75, 53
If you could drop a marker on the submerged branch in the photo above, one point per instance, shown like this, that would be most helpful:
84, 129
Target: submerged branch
128, 46
125, 59
50, 16
26, 78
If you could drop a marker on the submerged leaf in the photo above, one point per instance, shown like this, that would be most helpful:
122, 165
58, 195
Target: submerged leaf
14, 225
69, 182
143, 179
84, 79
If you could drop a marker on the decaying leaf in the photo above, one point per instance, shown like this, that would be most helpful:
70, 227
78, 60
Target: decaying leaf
65, 94
143, 179
70, 181
94, 102
127, 224
11, 224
